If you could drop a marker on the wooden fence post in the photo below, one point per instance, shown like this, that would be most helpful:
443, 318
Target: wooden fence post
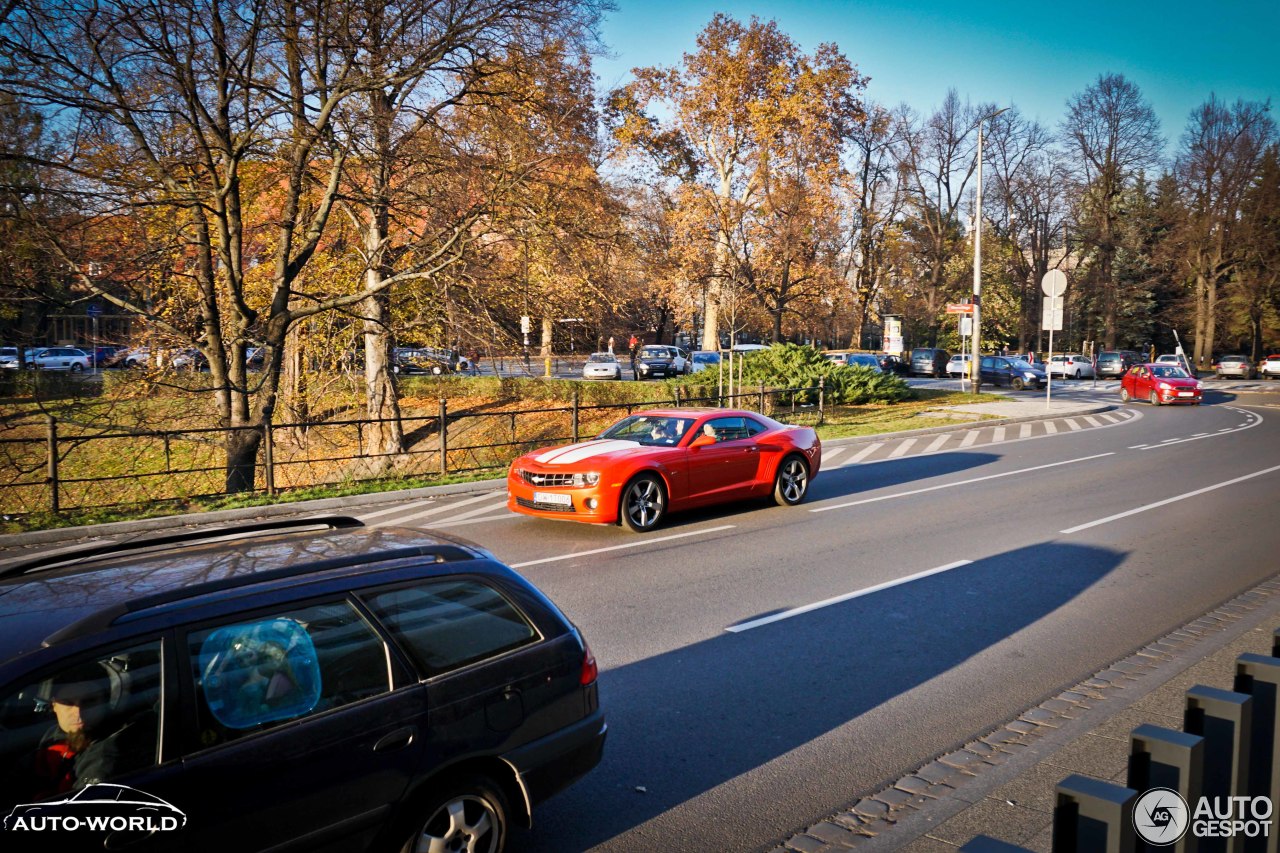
575, 416
762, 398
444, 437
52, 452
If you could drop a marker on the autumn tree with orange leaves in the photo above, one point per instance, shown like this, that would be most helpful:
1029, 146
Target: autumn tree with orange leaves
744, 110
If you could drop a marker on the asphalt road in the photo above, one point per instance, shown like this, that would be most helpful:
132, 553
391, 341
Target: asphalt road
990, 578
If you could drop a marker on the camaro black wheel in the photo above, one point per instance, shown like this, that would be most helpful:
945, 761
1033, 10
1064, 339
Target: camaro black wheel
471, 816
644, 503
792, 482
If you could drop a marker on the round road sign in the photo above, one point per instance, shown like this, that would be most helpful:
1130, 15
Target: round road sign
1054, 283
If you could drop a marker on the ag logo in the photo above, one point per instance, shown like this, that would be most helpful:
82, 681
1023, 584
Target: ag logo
1161, 816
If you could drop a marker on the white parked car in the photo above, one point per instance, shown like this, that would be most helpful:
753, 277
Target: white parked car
602, 365
9, 358
60, 358
1071, 366
1269, 367
958, 366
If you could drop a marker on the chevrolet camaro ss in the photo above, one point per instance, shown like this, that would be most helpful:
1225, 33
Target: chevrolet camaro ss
665, 460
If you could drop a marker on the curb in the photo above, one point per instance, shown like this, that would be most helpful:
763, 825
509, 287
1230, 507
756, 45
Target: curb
169, 522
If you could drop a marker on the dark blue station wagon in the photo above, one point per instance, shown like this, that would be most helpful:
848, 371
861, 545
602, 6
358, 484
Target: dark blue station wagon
297, 685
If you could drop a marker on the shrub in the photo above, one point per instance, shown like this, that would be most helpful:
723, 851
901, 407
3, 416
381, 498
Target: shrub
794, 366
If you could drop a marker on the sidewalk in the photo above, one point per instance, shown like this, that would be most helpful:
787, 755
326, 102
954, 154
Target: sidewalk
1001, 785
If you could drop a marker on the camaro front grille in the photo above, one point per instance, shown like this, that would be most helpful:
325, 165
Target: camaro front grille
528, 504
535, 479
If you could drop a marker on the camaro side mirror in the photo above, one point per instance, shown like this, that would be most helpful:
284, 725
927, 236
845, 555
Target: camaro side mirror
702, 441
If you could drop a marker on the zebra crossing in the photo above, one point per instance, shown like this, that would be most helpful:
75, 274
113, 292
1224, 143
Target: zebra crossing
490, 504
861, 453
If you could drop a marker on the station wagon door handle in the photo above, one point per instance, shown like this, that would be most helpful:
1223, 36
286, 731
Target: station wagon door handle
398, 739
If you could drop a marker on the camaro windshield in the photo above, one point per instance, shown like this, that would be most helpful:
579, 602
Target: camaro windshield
649, 430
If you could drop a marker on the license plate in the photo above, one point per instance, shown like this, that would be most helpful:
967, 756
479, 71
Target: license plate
1186, 394
552, 498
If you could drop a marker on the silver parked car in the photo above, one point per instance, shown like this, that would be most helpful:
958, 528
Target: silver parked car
60, 358
1234, 365
703, 360
602, 365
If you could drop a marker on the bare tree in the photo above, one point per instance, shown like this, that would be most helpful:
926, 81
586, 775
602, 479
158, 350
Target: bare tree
1114, 135
938, 161
1218, 161
218, 123
873, 212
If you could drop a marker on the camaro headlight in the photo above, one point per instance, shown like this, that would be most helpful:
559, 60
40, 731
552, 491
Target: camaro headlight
590, 478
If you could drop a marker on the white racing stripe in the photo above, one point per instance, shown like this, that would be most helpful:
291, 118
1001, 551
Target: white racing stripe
584, 450
636, 544
817, 605
1168, 501
960, 483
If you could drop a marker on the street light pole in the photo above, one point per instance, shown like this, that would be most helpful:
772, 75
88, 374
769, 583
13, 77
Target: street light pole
975, 370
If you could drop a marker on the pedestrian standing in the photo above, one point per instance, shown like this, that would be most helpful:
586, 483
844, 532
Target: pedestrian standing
611, 344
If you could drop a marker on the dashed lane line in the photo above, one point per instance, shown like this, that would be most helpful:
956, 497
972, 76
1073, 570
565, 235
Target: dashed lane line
637, 544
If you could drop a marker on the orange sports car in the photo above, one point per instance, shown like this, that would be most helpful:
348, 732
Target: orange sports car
665, 460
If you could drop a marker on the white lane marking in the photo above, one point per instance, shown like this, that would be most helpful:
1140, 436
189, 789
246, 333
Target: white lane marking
441, 508
1024, 430
818, 605
1138, 447
481, 511
1109, 418
1072, 424
830, 453
1050, 428
1170, 442
401, 508
636, 544
999, 435
937, 442
902, 448
450, 522
960, 483
862, 454
1168, 501
1091, 421
971, 437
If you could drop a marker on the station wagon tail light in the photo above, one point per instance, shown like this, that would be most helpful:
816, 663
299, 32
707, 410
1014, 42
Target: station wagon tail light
589, 669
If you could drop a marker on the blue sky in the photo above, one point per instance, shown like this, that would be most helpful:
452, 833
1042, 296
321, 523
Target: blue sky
1035, 55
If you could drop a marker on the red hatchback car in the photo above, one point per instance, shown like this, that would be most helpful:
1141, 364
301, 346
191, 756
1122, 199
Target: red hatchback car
654, 462
1159, 384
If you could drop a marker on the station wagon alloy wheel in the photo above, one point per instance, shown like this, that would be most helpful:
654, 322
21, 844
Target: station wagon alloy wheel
474, 820
792, 483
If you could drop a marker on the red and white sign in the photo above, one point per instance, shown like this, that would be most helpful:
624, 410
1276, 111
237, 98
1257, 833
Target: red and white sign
953, 308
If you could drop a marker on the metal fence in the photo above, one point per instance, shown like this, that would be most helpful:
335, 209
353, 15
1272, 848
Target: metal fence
72, 468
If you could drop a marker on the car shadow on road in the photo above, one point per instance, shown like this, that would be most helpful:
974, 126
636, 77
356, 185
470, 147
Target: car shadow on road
689, 720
